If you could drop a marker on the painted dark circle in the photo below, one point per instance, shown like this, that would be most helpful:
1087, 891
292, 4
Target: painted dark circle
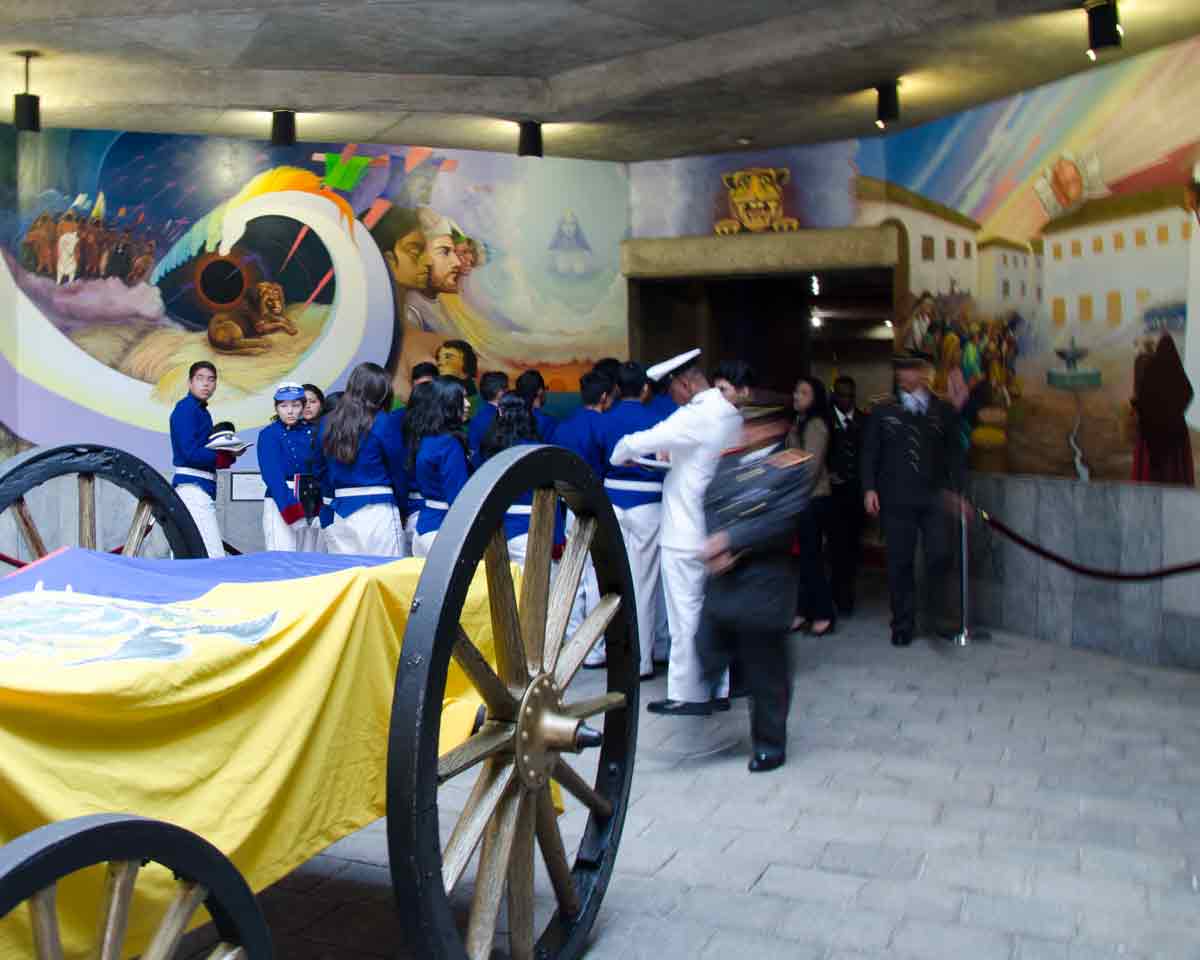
222, 281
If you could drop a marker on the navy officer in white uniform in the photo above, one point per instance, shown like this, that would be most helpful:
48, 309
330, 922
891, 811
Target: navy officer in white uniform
693, 438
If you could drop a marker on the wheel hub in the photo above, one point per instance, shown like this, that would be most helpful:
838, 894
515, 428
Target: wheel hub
543, 731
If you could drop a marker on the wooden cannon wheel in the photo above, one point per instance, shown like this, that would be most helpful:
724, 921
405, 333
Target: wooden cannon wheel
33, 864
532, 723
157, 502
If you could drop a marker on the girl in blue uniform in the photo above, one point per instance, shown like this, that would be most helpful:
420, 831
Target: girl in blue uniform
437, 456
513, 426
285, 451
421, 392
360, 459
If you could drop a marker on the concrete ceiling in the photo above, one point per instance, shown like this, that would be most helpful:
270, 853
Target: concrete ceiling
612, 79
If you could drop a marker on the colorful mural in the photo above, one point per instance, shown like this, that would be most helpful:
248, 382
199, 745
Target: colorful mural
130, 256
1052, 223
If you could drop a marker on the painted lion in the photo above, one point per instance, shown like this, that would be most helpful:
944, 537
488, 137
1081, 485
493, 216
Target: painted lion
756, 201
244, 329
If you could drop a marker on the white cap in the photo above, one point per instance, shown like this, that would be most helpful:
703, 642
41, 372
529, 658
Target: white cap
667, 367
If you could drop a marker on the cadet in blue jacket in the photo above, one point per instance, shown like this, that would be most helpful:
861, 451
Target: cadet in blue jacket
196, 466
636, 495
285, 451
583, 431
360, 460
492, 386
437, 456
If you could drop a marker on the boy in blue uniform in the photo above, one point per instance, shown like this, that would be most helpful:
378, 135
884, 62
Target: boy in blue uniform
196, 466
636, 495
286, 450
492, 386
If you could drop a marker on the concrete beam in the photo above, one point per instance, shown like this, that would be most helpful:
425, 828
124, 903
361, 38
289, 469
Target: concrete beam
796, 252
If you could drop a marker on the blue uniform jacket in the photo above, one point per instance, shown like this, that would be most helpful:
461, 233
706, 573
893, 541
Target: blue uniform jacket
284, 452
546, 425
662, 405
380, 463
583, 433
477, 430
441, 471
191, 425
631, 486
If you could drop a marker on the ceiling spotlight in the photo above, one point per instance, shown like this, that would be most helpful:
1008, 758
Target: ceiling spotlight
1104, 26
27, 108
816, 285
529, 142
283, 128
744, 141
887, 105
814, 320
888, 324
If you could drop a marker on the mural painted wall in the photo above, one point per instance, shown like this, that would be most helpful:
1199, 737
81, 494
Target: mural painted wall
127, 257
1050, 231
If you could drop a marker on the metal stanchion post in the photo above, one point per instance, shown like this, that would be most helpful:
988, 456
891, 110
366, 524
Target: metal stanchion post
965, 635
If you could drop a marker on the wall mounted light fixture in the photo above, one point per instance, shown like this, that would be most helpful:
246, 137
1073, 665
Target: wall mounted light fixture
887, 104
1104, 26
529, 141
27, 107
283, 128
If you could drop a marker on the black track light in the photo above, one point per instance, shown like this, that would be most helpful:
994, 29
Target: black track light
887, 107
27, 107
529, 142
283, 128
1104, 26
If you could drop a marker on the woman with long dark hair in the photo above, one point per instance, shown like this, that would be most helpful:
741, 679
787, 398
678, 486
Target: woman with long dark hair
314, 403
361, 465
437, 455
513, 426
420, 394
811, 433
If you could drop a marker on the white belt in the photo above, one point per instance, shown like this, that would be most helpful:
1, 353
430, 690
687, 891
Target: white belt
341, 492
415, 498
327, 500
520, 510
645, 486
437, 505
202, 474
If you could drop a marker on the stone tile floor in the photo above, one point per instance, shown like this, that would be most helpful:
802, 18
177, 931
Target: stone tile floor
1012, 800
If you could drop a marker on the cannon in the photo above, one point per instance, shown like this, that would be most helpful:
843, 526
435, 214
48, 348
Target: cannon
438, 692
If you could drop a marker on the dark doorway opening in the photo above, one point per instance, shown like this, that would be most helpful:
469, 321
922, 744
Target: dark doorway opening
784, 325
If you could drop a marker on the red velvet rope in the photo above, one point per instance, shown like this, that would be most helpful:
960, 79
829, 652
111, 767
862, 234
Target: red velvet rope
1079, 568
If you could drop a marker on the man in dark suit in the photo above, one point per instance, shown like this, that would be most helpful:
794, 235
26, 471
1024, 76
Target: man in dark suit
846, 513
912, 470
750, 511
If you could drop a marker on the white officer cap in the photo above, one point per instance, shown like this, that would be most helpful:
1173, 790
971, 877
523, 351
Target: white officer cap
660, 371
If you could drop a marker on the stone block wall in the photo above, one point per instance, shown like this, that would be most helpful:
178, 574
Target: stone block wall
1120, 527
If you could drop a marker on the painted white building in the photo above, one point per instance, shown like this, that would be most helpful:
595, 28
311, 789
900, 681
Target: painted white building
1010, 278
940, 240
1117, 268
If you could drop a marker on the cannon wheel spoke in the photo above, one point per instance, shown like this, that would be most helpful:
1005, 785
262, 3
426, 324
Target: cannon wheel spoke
114, 915
87, 511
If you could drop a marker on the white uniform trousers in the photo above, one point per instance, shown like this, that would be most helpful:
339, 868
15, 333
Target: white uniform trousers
203, 509
410, 532
662, 629
423, 543
587, 596
684, 577
639, 528
373, 530
302, 536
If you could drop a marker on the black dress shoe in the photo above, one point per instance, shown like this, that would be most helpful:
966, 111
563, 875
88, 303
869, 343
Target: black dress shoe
762, 761
680, 708
720, 704
901, 638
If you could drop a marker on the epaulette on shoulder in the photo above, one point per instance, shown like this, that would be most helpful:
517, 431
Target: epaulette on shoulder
789, 458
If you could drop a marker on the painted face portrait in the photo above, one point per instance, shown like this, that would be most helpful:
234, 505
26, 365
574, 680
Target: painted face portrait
445, 268
450, 362
408, 263
1067, 183
465, 251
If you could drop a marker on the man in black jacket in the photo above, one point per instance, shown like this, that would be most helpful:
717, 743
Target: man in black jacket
846, 503
912, 469
750, 511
